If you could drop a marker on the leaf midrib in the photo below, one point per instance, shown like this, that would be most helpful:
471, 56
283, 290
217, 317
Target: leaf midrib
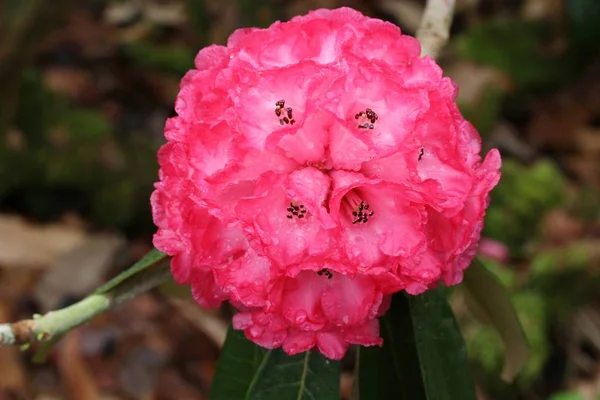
303, 378
258, 374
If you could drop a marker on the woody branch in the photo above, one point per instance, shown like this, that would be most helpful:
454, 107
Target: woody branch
434, 29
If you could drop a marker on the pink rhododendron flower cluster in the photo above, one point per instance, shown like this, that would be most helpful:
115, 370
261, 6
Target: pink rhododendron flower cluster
315, 168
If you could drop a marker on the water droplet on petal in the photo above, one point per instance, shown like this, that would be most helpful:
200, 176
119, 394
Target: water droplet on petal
262, 220
345, 319
356, 252
425, 275
359, 241
262, 319
258, 284
300, 316
255, 331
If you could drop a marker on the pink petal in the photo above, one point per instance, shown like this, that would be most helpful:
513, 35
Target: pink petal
366, 334
307, 144
247, 279
289, 240
300, 304
298, 341
346, 150
348, 302
394, 230
212, 57
332, 345
205, 291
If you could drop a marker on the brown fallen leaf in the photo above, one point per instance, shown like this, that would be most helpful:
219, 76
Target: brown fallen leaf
74, 83
543, 9
559, 228
173, 387
209, 323
77, 381
12, 379
474, 80
588, 140
79, 271
24, 245
346, 385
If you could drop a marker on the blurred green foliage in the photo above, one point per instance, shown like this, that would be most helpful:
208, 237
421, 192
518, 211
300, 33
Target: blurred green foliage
524, 195
484, 114
515, 47
259, 13
567, 396
485, 346
543, 285
169, 59
199, 19
582, 18
69, 157
539, 295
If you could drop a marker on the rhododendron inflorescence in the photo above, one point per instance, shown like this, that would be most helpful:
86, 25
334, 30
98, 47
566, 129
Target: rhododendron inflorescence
315, 168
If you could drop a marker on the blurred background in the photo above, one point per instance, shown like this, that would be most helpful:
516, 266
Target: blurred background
86, 86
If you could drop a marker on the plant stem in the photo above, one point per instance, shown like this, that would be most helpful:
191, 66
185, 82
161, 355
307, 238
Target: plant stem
57, 323
434, 29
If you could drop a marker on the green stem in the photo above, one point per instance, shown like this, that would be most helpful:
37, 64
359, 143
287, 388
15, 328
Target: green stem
57, 323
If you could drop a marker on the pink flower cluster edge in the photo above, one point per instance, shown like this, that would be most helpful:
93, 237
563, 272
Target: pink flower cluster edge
313, 169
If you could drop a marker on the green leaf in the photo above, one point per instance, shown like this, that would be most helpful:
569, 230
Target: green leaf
488, 299
259, 13
151, 258
524, 60
44, 348
306, 376
567, 396
247, 371
239, 361
391, 371
199, 19
423, 355
582, 17
171, 59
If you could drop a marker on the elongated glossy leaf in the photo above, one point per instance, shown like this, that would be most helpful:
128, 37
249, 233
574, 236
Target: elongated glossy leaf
489, 301
441, 348
240, 360
392, 371
247, 372
306, 376
152, 257
423, 355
